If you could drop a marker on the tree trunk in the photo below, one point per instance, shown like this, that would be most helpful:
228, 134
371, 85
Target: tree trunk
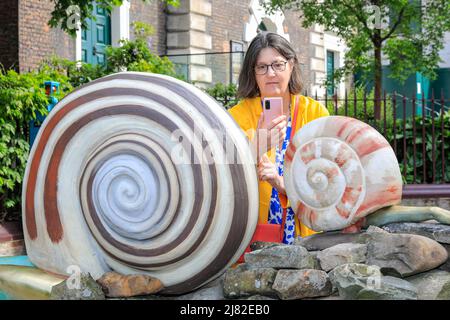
378, 75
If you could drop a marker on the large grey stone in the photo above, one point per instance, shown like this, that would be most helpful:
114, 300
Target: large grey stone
351, 278
321, 241
342, 253
374, 229
258, 245
314, 255
446, 265
299, 284
258, 297
83, 288
211, 291
246, 281
360, 281
435, 231
432, 285
403, 254
388, 288
281, 257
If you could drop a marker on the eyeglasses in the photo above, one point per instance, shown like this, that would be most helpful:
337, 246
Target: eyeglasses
277, 66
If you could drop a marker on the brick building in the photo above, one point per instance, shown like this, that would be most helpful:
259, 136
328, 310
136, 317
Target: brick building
25, 37
197, 36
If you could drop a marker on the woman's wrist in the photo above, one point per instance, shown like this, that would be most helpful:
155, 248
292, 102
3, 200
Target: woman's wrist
279, 185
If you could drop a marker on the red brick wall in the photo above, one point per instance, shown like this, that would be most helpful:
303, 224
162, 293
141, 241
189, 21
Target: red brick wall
300, 41
9, 50
226, 23
37, 41
153, 14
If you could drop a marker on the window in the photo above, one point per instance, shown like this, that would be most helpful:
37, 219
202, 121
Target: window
330, 73
236, 59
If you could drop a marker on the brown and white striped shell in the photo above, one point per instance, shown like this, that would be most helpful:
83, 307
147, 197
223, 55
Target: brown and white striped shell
338, 170
109, 186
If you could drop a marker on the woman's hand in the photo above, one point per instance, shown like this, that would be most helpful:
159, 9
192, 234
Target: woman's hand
267, 171
267, 137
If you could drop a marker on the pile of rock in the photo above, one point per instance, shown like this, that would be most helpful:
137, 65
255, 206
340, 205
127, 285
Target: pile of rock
401, 261
404, 261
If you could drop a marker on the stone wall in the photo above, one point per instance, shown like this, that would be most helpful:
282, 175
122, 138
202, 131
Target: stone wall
187, 34
37, 41
435, 202
9, 51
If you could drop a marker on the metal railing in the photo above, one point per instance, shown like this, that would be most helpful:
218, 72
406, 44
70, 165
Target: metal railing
418, 130
209, 67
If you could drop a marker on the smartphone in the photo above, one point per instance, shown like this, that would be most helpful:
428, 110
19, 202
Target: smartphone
273, 108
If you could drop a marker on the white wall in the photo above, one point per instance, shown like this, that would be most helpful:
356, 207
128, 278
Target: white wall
120, 23
256, 15
337, 45
445, 53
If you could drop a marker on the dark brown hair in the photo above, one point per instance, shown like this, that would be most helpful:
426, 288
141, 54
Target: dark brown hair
248, 87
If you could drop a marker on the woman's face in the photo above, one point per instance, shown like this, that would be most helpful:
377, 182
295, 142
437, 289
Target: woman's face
272, 83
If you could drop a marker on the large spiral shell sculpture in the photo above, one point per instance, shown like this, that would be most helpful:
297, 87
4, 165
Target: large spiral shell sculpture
337, 171
141, 174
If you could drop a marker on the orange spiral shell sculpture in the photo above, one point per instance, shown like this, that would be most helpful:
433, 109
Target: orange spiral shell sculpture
338, 170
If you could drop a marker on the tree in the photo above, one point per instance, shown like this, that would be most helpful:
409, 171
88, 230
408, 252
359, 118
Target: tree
69, 13
409, 33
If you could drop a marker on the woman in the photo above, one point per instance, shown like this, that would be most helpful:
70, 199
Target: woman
271, 69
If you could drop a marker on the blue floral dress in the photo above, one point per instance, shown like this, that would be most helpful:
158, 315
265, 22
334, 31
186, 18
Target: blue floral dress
275, 209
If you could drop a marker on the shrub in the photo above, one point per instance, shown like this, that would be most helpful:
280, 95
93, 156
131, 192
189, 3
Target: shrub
224, 94
132, 55
77, 73
22, 97
441, 141
135, 55
364, 111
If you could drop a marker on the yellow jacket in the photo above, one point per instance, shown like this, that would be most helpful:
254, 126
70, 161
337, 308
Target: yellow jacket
246, 113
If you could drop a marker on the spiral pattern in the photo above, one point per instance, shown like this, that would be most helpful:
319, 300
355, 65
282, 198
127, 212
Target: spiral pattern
140, 173
338, 170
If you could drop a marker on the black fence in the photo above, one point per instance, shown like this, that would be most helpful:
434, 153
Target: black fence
417, 128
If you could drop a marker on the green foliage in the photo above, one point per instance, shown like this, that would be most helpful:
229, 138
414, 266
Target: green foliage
142, 30
441, 141
404, 134
65, 13
132, 55
77, 73
22, 97
224, 94
135, 55
410, 33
